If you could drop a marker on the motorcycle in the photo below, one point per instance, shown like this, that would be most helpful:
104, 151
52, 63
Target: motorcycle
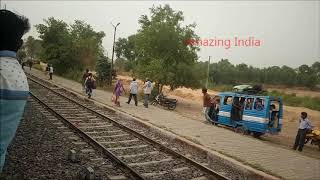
314, 137
162, 100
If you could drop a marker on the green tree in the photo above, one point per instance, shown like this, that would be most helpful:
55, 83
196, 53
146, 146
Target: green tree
56, 43
160, 50
21, 55
125, 48
86, 44
306, 76
103, 68
316, 69
33, 48
70, 48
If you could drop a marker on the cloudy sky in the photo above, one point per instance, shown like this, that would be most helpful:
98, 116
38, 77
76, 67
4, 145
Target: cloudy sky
288, 31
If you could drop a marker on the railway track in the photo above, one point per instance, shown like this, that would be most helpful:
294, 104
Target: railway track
138, 156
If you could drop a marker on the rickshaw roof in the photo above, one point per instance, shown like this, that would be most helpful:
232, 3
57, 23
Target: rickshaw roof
247, 95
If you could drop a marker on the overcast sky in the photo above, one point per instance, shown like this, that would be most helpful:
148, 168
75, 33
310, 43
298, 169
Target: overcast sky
288, 31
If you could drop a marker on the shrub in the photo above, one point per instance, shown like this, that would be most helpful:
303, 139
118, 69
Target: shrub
103, 70
75, 75
38, 66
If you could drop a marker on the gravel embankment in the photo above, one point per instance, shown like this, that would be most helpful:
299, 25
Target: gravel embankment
39, 151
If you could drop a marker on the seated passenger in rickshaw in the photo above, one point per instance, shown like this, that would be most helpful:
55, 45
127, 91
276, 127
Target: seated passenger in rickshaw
258, 105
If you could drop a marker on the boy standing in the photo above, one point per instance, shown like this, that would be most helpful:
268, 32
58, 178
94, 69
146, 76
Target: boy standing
14, 87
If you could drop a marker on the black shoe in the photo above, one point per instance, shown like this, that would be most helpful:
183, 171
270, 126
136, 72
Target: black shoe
127, 102
300, 150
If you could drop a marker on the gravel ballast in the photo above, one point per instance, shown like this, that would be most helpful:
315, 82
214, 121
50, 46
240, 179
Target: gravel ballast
40, 151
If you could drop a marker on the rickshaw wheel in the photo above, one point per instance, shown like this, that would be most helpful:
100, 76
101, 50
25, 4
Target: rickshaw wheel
241, 130
257, 134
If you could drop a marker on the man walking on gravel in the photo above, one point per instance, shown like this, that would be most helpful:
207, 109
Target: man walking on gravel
14, 87
147, 91
133, 91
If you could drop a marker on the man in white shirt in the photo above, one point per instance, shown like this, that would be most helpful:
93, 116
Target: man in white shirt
14, 89
50, 71
304, 126
133, 91
147, 92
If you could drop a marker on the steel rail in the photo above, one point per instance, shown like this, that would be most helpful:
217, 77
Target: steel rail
132, 173
205, 169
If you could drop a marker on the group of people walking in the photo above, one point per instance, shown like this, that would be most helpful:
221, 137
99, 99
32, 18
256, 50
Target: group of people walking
133, 90
89, 83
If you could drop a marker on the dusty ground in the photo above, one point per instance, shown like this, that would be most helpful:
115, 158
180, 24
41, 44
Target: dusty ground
190, 105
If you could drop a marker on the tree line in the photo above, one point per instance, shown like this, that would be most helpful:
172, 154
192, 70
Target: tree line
223, 72
70, 48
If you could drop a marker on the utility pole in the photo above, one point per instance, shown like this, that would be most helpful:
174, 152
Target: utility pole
114, 39
208, 72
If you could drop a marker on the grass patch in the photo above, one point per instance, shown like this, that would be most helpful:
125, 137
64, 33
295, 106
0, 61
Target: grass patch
38, 67
73, 75
298, 101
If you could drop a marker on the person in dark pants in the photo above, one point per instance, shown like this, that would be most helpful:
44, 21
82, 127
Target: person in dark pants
30, 64
84, 77
147, 92
304, 126
133, 92
89, 85
50, 72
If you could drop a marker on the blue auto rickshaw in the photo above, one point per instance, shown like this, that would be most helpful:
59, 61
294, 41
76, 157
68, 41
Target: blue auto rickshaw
247, 114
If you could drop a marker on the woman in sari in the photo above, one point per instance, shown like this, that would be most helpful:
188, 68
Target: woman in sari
118, 91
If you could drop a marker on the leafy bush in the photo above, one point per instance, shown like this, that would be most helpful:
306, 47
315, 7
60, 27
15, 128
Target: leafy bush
75, 75
38, 66
103, 70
